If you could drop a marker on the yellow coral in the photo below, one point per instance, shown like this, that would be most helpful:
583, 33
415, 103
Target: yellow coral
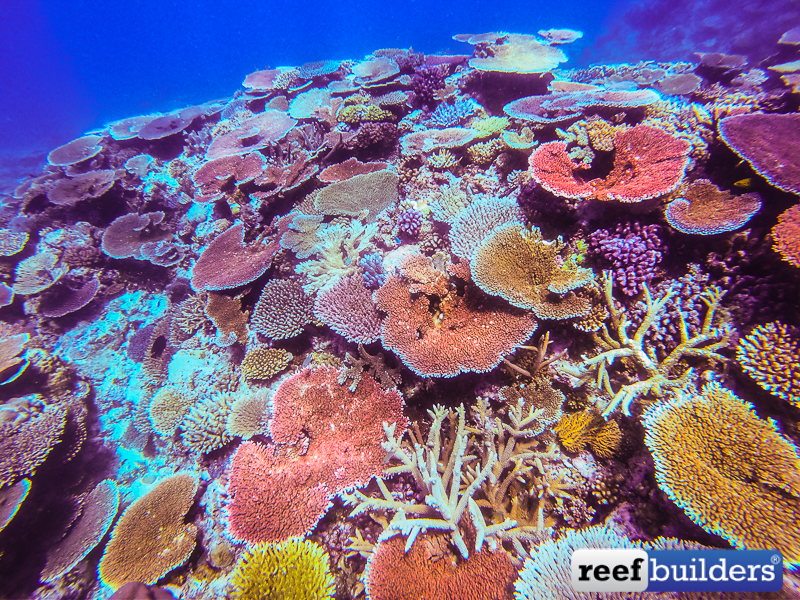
262, 362
483, 153
205, 427
578, 430
601, 134
734, 474
356, 113
151, 538
443, 159
490, 126
530, 272
771, 357
291, 570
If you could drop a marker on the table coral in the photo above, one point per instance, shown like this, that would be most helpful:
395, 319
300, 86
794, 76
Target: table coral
426, 572
278, 492
296, 569
465, 333
734, 474
151, 538
771, 356
25, 443
786, 236
519, 265
478, 219
518, 53
768, 143
76, 151
704, 209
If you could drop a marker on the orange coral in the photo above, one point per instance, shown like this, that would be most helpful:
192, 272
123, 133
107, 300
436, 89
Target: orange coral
578, 430
151, 538
734, 474
786, 236
704, 209
520, 266
771, 357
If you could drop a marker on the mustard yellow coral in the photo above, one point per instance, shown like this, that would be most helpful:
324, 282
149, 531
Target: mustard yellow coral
356, 113
262, 362
578, 430
771, 357
291, 570
483, 153
734, 474
151, 538
519, 265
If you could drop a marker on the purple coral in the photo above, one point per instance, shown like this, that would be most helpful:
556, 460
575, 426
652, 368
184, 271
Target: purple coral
348, 309
372, 135
451, 115
374, 276
633, 250
427, 81
410, 222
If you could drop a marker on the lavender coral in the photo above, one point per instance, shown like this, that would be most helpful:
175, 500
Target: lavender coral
633, 250
348, 309
410, 222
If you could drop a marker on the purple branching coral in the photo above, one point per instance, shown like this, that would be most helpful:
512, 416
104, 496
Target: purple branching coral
410, 222
427, 81
634, 252
374, 275
451, 115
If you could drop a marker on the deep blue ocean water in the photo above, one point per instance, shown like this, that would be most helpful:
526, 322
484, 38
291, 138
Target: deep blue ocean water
67, 67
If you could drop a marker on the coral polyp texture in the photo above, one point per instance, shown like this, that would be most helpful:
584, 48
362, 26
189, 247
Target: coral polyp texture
296, 569
771, 356
397, 326
733, 473
150, 538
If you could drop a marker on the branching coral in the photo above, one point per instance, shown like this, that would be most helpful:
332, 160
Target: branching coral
657, 377
282, 310
204, 427
26, 442
734, 474
519, 265
786, 236
576, 430
354, 369
295, 569
472, 469
771, 357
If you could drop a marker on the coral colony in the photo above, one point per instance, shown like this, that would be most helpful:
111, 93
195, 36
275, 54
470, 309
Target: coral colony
407, 327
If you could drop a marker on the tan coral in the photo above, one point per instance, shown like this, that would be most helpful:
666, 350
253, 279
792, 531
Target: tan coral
205, 426
167, 409
37, 273
519, 265
226, 314
262, 362
151, 538
249, 415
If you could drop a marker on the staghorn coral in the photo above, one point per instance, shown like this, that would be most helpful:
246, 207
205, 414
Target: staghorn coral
452, 114
657, 377
786, 236
704, 209
150, 538
98, 510
427, 572
503, 451
282, 310
250, 415
772, 357
734, 474
262, 362
348, 309
26, 442
291, 570
577, 430
282, 490
443, 159
518, 264
541, 396
204, 426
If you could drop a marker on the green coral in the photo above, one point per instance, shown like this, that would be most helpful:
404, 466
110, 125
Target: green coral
291, 570
339, 248
357, 113
490, 126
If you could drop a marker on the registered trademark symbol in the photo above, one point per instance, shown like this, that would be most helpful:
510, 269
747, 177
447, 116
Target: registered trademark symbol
775, 558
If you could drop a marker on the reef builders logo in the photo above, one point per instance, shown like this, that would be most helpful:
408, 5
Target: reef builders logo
635, 570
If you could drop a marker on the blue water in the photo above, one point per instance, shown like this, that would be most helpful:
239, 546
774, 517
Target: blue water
67, 67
